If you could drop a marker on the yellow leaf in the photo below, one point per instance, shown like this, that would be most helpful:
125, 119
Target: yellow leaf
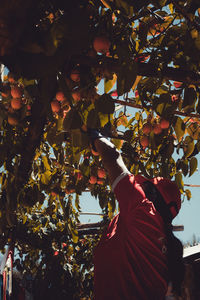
74, 236
179, 181
46, 163
137, 80
36, 229
26, 82
104, 118
108, 84
45, 177
179, 128
188, 148
118, 143
193, 165
24, 219
171, 8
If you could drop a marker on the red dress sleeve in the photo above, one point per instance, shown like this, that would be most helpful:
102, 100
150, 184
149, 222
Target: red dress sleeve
128, 193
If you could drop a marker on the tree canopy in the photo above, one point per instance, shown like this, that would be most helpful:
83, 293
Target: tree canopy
145, 55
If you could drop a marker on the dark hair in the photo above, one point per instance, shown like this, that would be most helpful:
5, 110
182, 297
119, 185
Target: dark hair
174, 253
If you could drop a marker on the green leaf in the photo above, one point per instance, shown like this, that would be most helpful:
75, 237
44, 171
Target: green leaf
193, 165
123, 5
93, 120
169, 149
77, 202
72, 121
179, 181
85, 168
179, 128
188, 146
105, 104
79, 139
184, 167
126, 77
193, 130
3, 154
163, 105
189, 99
198, 145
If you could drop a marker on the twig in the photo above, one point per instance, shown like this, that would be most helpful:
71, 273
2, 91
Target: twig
95, 214
105, 4
192, 185
138, 106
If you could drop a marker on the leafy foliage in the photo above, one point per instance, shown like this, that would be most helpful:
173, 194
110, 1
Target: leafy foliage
50, 97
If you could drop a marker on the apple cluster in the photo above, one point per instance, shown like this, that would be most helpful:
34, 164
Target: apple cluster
155, 126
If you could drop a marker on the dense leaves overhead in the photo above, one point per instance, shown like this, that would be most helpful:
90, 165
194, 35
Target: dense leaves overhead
128, 66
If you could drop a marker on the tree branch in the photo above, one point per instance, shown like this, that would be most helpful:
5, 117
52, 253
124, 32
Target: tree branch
185, 15
138, 106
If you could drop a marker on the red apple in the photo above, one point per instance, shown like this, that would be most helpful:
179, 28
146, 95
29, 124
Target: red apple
144, 141
92, 179
101, 173
164, 124
55, 106
101, 44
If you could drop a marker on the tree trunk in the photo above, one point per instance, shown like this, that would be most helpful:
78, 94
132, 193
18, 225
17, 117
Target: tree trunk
13, 18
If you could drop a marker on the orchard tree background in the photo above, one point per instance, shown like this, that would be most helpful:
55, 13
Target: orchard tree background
147, 55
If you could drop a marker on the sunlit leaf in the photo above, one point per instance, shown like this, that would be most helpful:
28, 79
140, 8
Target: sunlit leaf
188, 194
179, 128
126, 78
193, 165
108, 84
46, 177
105, 104
188, 147
179, 181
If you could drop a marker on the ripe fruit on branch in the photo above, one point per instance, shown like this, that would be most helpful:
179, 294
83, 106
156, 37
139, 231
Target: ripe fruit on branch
12, 120
101, 44
92, 179
157, 129
164, 124
100, 181
16, 103
144, 141
76, 96
60, 96
101, 173
95, 153
75, 75
147, 127
16, 92
11, 77
55, 106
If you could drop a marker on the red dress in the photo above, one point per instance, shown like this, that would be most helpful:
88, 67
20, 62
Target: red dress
130, 261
